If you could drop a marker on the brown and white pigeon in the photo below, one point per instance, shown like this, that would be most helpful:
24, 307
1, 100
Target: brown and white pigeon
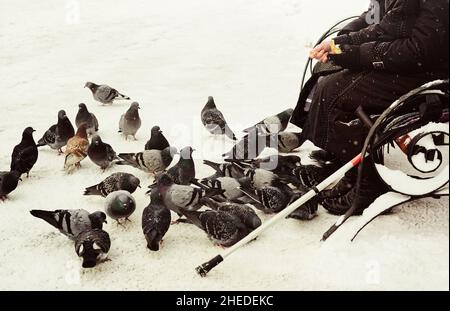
104, 93
76, 149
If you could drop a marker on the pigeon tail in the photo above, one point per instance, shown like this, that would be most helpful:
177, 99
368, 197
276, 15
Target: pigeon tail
48, 216
121, 96
127, 159
92, 191
193, 217
229, 133
214, 165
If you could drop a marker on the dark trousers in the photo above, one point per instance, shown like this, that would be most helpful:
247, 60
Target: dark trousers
326, 120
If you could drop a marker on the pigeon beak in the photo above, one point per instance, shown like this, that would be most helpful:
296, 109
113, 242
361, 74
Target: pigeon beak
20, 179
105, 221
139, 186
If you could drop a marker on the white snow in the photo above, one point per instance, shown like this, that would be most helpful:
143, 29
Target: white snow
170, 56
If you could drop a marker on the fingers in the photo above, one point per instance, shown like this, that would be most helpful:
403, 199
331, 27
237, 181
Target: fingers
324, 58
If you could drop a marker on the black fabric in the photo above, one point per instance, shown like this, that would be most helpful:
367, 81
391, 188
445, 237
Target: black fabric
412, 36
328, 124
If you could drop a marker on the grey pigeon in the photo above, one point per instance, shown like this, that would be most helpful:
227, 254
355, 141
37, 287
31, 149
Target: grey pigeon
156, 220
114, 182
120, 205
101, 153
25, 154
273, 124
251, 146
214, 121
225, 169
72, 222
289, 141
270, 199
261, 178
151, 161
58, 134
228, 184
223, 229
278, 164
8, 183
183, 173
180, 197
245, 213
130, 122
157, 140
93, 246
84, 116
104, 93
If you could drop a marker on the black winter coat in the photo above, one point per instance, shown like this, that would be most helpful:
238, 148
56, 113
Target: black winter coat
412, 36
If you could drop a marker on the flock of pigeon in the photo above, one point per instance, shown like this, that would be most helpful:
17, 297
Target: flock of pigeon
222, 205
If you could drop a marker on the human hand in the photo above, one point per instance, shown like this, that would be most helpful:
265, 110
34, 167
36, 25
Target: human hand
321, 51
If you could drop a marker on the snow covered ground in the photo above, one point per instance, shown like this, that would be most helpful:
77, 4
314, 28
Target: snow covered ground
169, 56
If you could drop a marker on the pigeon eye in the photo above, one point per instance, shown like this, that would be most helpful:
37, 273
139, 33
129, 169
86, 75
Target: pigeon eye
96, 247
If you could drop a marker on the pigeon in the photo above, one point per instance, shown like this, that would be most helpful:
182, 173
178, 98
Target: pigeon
157, 140
245, 213
151, 161
225, 169
183, 173
84, 116
273, 124
93, 246
223, 229
71, 222
120, 205
101, 153
270, 199
58, 134
130, 122
251, 146
156, 220
8, 183
214, 121
180, 197
228, 184
289, 141
104, 93
278, 164
114, 182
308, 210
25, 154
311, 175
76, 149
260, 178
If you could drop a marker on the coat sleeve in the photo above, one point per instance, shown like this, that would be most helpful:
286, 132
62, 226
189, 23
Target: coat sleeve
424, 47
355, 25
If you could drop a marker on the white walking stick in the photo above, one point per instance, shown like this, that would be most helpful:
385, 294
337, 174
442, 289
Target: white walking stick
208, 266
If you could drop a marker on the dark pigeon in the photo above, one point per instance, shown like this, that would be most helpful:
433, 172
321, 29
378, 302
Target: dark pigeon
156, 220
157, 140
58, 134
93, 246
101, 153
25, 154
